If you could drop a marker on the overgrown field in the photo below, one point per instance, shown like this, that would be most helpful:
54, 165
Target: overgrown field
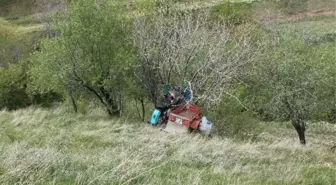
57, 146
40, 146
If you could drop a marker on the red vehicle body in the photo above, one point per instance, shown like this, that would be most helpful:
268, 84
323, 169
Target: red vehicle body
185, 117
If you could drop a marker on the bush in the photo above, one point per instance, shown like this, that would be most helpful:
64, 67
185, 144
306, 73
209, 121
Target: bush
231, 13
232, 119
12, 87
14, 93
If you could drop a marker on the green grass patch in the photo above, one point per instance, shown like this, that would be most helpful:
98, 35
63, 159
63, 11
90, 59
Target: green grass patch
319, 175
13, 135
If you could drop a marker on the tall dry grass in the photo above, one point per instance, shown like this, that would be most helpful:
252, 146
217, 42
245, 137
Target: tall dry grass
56, 147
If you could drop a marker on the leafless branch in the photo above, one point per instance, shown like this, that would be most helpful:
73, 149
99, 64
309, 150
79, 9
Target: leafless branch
193, 48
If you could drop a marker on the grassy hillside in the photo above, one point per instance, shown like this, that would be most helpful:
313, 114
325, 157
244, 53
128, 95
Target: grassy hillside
17, 41
10, 32
27, 7
55, 147
321, 5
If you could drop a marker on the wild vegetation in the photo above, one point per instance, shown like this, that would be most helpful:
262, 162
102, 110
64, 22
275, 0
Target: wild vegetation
41, 146
257, 69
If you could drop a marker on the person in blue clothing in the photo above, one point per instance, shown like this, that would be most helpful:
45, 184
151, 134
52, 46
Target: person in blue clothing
161, 113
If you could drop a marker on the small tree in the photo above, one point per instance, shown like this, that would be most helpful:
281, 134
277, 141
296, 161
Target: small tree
92, 53
292, 78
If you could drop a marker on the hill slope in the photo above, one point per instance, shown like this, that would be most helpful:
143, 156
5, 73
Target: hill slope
28, 7
56, 147
17, 41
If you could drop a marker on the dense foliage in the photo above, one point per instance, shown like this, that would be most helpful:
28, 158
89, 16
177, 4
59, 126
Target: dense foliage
91, 55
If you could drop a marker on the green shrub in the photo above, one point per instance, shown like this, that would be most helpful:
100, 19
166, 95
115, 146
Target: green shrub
231, 13
13, 90
232, 119
12, 87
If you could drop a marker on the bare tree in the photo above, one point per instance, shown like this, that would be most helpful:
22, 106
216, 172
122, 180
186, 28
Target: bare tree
177, 47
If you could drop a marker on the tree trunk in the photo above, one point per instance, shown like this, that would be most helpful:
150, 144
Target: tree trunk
136, 107
111, 102
73, 102
114, 110
103, 95
300, 127
298, 121
120, 105
143, 109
